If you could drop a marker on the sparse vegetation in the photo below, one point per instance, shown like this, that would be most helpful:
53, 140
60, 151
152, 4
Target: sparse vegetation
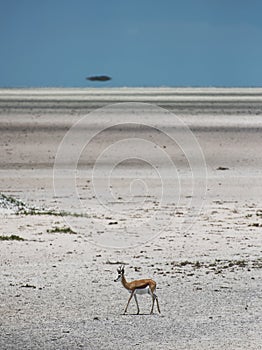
218, 266
196, 264
11, 238
109, 262
61, 230
255, 224
184, 263
259, 213
28, 286
11, 202
34, 211
22, 209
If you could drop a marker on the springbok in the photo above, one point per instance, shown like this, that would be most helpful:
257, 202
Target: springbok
144, 286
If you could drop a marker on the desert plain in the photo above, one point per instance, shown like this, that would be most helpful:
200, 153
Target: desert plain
165, 181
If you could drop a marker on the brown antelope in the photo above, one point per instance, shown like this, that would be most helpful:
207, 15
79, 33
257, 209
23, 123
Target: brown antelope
144, 286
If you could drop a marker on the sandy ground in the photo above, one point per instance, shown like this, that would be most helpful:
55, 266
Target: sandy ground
183, 206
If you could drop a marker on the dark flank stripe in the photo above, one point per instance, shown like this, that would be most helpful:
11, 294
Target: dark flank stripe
143, 287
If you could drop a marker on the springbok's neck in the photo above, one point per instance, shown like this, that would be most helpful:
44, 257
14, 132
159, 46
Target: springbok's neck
124, 282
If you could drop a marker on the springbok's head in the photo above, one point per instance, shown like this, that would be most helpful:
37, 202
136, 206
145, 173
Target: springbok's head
120, 272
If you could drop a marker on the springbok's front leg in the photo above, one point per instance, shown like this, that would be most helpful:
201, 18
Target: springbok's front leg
132, 293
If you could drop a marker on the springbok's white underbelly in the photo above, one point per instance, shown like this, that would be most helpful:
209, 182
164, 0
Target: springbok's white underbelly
142, 291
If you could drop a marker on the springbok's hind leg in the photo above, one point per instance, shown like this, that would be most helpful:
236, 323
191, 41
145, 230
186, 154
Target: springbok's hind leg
153, 302
136, 304
157, 303
155, 298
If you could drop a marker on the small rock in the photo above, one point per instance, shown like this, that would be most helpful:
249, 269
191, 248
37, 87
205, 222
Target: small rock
222, 168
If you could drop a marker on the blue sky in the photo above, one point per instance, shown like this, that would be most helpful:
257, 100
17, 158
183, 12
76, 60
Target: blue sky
136, 42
